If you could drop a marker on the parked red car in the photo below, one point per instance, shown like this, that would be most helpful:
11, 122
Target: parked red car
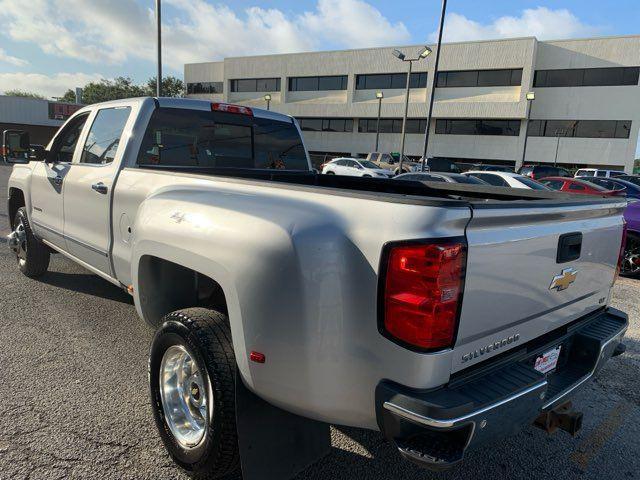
574, 185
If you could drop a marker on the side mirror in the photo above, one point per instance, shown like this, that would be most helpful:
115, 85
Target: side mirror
37, 153
15, 146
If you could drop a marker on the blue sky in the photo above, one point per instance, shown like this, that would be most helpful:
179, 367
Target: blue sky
52, 45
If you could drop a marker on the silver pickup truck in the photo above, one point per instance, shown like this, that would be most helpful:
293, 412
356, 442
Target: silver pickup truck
442, 315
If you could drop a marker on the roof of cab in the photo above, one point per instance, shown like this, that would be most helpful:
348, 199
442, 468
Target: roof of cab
198, 104
188, 103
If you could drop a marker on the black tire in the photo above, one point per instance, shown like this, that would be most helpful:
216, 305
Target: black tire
205, 334
34, 256
367, 176
330, 173
630, 267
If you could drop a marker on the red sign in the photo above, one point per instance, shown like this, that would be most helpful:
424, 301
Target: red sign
62, 111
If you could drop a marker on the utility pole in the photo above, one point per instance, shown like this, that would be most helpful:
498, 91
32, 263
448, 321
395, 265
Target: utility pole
433, 84
159, 31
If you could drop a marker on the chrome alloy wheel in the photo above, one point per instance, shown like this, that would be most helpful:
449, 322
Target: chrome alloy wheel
17, 241
185, 396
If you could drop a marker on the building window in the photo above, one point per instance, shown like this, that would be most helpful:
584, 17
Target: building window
587, 77
391, 125
326, 124
255, 85
205, 87
510, 128
312, 84
580, 128
381, 81
480, 78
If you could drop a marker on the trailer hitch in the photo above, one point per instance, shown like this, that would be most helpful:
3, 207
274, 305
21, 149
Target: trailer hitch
562, 417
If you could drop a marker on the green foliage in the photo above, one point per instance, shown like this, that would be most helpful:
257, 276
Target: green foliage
105, 90
23, 93
171, 87
69, 96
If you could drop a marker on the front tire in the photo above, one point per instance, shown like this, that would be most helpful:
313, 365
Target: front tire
31, 254
330, 173
191, 379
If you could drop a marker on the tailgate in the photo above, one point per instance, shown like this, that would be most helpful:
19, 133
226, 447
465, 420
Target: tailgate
518, 288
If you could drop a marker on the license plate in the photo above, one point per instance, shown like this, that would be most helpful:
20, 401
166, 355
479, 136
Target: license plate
548, 361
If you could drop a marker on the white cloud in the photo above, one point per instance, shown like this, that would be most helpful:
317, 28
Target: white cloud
49, 86
540, 22
353, 23
6, 58
112, 32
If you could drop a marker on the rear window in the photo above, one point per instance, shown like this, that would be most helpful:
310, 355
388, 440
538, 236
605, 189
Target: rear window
532, 183
177, 137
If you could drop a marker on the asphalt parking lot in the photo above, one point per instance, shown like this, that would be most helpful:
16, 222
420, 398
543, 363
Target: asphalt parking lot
74, 401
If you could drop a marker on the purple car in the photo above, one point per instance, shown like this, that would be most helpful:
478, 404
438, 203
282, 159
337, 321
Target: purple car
631, 263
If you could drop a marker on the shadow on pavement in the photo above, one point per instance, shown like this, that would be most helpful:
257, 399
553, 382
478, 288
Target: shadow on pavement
87, 283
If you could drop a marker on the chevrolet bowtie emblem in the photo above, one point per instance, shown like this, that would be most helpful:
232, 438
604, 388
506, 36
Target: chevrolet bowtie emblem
562, 281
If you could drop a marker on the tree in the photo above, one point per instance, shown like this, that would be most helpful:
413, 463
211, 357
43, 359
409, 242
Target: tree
69, 96
105, 90
23, 93
171, 87
123, 87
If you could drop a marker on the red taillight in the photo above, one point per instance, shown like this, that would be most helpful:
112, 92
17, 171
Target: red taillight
229, 108
623, 245
422, 292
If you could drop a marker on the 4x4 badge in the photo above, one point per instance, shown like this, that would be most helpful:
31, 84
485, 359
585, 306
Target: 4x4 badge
562, 281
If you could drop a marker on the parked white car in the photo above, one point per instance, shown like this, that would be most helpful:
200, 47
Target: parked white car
598, 172
506, 179
355, 168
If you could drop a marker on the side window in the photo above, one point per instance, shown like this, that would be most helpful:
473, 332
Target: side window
341, 163
575, 186
601, 173
494, 180
104, 136
65, 144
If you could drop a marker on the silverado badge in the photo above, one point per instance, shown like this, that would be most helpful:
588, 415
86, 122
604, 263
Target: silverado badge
562, 281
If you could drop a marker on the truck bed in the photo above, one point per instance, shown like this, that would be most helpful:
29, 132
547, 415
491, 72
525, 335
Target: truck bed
399, 190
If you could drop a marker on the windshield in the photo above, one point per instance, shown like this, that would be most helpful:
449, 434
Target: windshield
368, 164
532, 183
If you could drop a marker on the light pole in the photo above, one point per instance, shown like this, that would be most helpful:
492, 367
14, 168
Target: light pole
559, 132
267, 98
433, 84
531, 96
379, 96
401, 56
158, 27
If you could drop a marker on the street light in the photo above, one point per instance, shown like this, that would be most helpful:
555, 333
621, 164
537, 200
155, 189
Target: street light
267, 98
559, 133
379, 96
531, 96
424, 53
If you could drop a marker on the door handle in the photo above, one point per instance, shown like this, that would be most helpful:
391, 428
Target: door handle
57, 180
100, 188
